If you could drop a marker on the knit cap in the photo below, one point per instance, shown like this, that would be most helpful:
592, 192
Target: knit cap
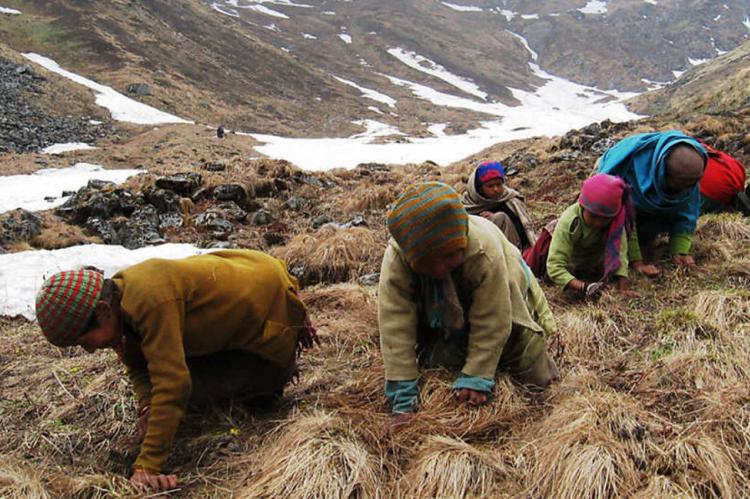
65, 304
429, 219
490, 170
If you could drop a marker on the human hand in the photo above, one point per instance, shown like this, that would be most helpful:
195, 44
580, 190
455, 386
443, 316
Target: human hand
472, 397
646, 269
142, 425
145, 479
684, 260
594, 289
486, 214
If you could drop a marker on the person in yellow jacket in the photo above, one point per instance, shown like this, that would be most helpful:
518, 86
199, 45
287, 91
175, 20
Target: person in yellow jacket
455, 292
224, 324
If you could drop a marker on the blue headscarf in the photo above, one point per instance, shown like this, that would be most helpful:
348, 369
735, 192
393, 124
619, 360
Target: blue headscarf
640, 161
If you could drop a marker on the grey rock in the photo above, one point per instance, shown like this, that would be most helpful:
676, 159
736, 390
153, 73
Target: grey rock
231, 211
100, 184
230, 192
141, 229
19, 226
296, 203
165, 201
320, 221
171, 221
369, 279
184, 184
139, 89
103, 229
600, 146
214, 222
218, 245
216, 166
356, 221
261, 217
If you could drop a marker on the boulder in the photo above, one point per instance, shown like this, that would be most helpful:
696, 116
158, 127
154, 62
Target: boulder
141, 229
139, 89
231, 192
184, 184
320, 221
19, 226
165, 201
296, 203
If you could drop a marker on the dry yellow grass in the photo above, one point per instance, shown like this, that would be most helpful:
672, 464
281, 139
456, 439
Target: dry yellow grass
451, 468
333, 254
316, 456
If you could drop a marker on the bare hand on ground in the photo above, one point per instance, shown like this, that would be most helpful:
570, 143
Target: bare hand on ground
157, 481
647, 269
472, 397
684, 260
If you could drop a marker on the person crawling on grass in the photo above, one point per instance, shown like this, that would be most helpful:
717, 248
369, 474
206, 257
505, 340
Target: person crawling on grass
588, 245
454, 292
223, 325
663, 169
488, 196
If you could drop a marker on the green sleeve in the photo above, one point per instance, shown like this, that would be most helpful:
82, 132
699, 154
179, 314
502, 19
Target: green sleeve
634, 247
540, 308
622, 271
163, 349
560, 251
680, 244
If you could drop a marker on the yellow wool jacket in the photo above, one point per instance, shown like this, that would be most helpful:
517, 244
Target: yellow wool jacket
177, 309
503, 293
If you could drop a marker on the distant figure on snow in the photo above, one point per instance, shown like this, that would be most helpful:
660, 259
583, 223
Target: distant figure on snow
205, 328
220, 132
723, 185
663, 170
454, 292
588, 245
488, 196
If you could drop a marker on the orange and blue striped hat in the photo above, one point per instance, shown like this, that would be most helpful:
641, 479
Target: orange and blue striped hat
429, 219
66, 303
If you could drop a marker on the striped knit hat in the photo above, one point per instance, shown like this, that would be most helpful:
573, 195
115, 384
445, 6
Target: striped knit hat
65, 304
429, 219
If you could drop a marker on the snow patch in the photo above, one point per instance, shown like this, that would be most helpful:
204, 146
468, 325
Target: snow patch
594, 7
346, 38
28, 191
220, 9
652, 2
746, 22
677, 74
425, 65
271, 27
437, 129
375, 109
525, 42
529, 16
696, 62
6, 10
509, 14
23, 273
122, 108
309, 36
70, 146
328, 13
462, 8
369, 93
267, 11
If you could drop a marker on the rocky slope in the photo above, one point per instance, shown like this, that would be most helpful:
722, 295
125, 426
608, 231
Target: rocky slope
270, 66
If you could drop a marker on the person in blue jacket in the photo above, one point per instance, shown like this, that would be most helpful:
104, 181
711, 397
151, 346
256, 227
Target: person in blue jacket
663, 169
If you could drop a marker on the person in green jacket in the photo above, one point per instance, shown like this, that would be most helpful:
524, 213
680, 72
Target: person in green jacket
455, 292
204, 328
589, 243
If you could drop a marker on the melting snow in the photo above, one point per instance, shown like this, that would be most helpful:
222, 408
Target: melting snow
346, 38
6, 10
462, 8
529, 16
677, 74
369, 93
509, 14
271, 27
746, 22
652, 2
375, 109
425, 65
122, 108
594, 7
437, 129
266, 11
28, 191
554, 108
219, 8
22, 274
328, 13
696, 62
309, 37
70, 146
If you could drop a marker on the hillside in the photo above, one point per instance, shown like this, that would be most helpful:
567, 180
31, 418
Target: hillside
272, 66
718, 86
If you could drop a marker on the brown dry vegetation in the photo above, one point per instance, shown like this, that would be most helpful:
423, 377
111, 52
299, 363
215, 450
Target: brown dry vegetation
653, 400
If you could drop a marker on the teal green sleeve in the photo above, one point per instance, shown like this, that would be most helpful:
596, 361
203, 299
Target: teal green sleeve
560, 251
680, 244
634, 247
403, 395
476, 383
622, 271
